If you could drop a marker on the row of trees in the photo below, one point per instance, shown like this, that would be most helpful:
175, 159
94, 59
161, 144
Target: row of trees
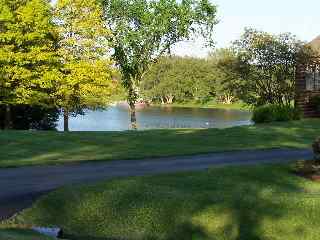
66, 57
258, 69
267, 66
53, 58
179, 79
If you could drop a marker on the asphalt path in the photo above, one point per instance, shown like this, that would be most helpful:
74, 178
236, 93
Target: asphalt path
20, 187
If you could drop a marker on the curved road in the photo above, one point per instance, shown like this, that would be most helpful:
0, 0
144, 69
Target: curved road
19, 187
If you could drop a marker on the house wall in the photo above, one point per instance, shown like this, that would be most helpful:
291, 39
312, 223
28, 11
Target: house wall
302, 96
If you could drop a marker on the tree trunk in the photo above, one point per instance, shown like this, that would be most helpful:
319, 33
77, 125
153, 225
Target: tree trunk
7, 120
169, 99
132, 99
228, 98
133, 117
65, 120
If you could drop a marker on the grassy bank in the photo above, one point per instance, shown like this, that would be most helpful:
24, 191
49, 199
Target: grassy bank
19, 148
234, 203
211, 104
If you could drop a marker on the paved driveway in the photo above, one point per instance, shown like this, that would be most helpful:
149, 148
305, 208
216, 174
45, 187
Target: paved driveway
19, 187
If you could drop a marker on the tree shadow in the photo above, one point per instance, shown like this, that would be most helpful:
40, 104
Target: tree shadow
28, 148
250, 205
226, 203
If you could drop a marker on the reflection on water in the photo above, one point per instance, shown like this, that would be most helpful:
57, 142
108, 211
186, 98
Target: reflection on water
117, 118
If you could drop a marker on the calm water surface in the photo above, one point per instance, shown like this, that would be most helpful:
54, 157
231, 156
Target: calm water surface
117, 118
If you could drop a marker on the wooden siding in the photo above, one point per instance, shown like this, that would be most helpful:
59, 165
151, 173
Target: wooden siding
302, 96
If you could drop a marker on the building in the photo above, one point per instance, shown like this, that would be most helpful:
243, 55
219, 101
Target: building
308, 83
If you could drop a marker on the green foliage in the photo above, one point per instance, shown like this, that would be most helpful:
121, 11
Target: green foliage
227, 67
25, 117
270, 62
142, 31
27, 52
234, 203
85, 77
184, 79
179, 79
21, 234
54, 60
274, 113
111, 146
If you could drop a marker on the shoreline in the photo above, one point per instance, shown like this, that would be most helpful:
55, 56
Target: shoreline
236, 106
233, 106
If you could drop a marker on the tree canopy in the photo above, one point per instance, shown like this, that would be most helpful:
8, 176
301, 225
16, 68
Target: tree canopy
271, 61
228, 68
27, 52
68, 56
258, 69
144, 30
84, 79
179, 79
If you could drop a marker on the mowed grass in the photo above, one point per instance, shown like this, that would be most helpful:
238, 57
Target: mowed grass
21, 234
230, 203
19, 148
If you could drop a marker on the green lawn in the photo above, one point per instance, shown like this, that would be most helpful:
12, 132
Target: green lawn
231, 203
18, 148
19, 234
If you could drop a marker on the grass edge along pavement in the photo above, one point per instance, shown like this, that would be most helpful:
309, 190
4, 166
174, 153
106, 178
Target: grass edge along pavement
26, 148
240, 203
21, 234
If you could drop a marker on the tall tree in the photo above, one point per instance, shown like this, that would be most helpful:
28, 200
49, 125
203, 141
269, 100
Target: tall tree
27, 53
271, 60
85, 78
228, 69
144, 30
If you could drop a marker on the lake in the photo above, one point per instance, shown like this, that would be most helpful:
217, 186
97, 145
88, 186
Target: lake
117, 118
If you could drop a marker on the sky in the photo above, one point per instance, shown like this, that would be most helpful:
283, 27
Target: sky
299, 17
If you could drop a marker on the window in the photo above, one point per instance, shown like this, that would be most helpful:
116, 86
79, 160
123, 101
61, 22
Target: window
313, 78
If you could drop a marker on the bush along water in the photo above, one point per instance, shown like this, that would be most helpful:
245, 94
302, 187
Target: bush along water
275, 113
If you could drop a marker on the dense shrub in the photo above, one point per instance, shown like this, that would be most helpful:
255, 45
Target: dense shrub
315, 102
316, 149
26, 117
273, 113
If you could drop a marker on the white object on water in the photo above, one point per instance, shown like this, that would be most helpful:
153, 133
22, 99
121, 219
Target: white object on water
51, 232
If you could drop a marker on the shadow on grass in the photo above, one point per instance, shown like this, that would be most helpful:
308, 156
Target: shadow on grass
34, 148
244, 203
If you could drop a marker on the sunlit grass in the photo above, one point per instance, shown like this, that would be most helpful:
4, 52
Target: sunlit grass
19, 148
229, 203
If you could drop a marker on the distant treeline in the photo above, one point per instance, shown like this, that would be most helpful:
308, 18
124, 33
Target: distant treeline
257, 69
185, 79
